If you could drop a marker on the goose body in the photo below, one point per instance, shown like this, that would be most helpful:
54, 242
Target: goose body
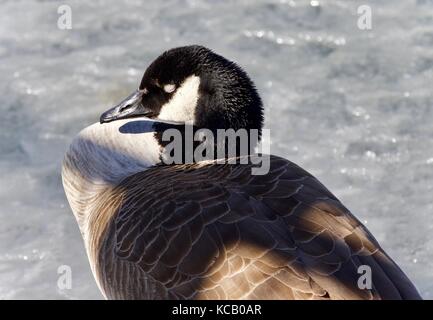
211, 230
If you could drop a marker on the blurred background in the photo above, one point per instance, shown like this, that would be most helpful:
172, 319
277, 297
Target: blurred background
354, 107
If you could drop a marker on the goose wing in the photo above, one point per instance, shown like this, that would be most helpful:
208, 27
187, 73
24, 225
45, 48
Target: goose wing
217, 232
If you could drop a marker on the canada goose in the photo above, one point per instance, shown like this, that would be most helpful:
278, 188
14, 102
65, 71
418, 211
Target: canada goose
207, 230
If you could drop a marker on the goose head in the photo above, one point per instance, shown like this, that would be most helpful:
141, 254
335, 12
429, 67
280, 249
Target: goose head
185, 85
193, 85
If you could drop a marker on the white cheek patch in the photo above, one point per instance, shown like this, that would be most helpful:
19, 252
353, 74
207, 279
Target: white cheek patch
181, 106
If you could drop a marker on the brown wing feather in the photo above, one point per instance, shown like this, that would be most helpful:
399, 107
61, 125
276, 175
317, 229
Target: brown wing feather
218, 232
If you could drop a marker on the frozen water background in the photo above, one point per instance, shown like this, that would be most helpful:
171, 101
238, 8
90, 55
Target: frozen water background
353, 107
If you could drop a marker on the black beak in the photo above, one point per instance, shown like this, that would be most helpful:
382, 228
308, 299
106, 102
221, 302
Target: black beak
129, 108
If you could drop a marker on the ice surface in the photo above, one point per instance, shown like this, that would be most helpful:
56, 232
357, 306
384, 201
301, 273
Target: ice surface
353, 107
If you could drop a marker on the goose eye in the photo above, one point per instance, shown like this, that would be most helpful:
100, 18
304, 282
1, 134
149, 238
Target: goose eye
169, 88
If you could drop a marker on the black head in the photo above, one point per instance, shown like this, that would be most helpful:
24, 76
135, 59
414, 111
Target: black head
194, 85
